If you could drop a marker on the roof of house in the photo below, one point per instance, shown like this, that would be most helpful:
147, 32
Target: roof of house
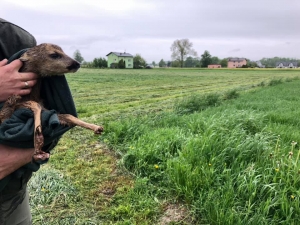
236, 59
123, 54
287, 63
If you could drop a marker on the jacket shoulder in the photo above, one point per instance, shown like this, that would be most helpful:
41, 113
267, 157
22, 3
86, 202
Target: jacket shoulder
13, 39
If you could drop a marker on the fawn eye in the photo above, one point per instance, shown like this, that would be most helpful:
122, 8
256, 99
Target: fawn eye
55, 56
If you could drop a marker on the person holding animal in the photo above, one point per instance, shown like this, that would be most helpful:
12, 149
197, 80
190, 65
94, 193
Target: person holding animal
14, 202
30, 102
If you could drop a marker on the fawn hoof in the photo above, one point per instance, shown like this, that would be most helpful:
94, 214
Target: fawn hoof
38, 139
98, 130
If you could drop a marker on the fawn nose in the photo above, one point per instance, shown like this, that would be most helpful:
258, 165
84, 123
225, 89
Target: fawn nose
74, 66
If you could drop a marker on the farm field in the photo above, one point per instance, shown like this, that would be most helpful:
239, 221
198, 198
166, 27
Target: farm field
106, 92
181, 146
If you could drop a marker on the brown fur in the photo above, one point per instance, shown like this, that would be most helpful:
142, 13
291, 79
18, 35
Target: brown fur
44, 60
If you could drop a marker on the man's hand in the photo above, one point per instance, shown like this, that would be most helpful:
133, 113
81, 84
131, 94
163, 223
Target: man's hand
12, 81
12, 158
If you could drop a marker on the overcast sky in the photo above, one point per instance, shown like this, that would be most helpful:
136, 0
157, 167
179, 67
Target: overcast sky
240, 28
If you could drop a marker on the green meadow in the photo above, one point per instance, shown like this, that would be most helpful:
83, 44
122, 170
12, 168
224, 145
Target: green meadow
181, 146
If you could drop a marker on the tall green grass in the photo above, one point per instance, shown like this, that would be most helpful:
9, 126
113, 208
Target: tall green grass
227, 162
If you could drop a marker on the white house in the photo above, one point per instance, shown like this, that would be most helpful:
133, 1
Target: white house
286, 65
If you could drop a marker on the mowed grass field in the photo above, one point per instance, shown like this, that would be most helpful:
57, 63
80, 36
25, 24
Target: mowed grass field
181, 146
105, 93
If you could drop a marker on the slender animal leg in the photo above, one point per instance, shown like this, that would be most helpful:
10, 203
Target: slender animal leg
9, 107
38, 135
69, 120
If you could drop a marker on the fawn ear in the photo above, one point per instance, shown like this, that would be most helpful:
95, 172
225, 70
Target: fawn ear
23, 58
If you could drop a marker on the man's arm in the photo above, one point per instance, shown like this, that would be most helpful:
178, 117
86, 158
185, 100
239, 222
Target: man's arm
13, 82
12, 158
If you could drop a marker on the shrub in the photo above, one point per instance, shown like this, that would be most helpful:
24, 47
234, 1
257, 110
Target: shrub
196, 103
121, 64
275, 82
232, 94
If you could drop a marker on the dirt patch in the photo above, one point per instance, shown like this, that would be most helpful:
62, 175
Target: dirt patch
175, 214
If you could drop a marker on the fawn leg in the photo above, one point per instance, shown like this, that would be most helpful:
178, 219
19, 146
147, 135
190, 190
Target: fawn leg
36, 108
69, 120
9, 107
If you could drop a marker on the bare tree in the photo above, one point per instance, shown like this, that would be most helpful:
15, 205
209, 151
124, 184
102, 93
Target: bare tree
181, 49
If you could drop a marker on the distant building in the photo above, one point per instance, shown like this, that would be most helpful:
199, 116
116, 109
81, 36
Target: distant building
212, 66
259, 65
168, 63
236, 62
113, 59
286, 65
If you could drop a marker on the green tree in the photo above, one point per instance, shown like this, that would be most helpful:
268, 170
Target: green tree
96, 63
215, 60
181, 49
176, 63
99, 63
139, 62
104, 63
205, 59
78, 57
121, 64
162, 63
251, 64
153, 64
191, 62
224, 62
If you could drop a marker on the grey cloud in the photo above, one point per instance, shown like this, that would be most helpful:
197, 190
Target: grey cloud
256, 28
235, 50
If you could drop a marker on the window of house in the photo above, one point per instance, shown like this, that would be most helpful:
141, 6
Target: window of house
129, 60
115, 60
129, 64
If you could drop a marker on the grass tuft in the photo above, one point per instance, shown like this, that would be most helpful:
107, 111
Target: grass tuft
196, 103
231, 94
275, 82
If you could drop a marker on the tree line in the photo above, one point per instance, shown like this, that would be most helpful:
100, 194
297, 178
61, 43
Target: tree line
205, 60
183, 55
96, 63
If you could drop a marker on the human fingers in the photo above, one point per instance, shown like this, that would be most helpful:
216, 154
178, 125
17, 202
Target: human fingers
25, 87
28, 76
25, 76
28, 84
16, 64
3, 62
